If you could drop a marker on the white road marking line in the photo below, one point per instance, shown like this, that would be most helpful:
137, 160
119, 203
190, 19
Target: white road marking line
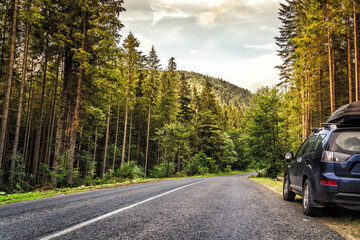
80, 225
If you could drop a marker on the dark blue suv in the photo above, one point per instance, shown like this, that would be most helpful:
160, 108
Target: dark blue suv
326, 168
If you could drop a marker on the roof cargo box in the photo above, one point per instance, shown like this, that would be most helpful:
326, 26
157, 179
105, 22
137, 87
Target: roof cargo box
348, 114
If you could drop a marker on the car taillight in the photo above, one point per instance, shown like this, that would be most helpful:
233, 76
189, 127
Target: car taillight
327, 182
329, 156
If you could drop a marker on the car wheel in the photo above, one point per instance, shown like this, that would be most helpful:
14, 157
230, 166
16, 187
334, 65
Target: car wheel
287, 194
307, 200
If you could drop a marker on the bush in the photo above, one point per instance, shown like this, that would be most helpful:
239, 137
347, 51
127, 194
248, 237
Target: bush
130, 170
62, 172
272, 171
19, 184
228, 168
163, 170
200, 164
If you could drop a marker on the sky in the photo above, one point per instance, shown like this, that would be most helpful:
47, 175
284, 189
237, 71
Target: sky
228, 39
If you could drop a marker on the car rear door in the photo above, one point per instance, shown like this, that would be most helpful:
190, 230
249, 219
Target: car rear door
306, 157
345, 145
294, 172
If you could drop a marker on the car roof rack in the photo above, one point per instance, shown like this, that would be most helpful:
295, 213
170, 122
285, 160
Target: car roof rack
316, 129
339, 125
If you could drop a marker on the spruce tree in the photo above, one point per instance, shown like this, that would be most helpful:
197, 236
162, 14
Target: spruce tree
185, 113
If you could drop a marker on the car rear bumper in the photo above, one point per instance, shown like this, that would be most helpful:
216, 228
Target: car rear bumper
347, 199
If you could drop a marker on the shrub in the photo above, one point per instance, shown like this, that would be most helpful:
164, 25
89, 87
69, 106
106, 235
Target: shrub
228, 168
62, 172
273, 170
163, 170
19, 184
200, 164
130, 170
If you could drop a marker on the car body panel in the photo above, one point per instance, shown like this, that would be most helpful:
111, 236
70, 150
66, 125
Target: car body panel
310, 166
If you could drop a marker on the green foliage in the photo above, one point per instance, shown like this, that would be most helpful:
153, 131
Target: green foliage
174, 143
80, 43
264, 136
62, 172
228, 153
163, 170
19, 183
130, 170
200, 164
225, 92
185, 113
228, 168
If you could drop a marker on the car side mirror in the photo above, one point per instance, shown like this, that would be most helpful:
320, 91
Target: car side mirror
289, 156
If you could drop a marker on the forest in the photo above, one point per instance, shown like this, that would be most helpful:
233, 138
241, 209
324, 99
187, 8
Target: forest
81, 104
318, 43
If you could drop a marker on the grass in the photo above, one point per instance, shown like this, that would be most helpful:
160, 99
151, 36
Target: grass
42, 193
345, 222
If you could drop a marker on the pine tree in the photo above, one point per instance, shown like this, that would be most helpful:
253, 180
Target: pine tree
208, 130
151, 87
132, 59
185, 113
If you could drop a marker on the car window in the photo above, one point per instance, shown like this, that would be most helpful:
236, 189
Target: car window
301, 149
310, 146
346, 141
319, 141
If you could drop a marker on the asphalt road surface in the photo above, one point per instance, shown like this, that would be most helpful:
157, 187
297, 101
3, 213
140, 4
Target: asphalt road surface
229, 207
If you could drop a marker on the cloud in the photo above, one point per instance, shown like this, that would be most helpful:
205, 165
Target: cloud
270, 46
145, 44
254, 73
230, 39
159, 15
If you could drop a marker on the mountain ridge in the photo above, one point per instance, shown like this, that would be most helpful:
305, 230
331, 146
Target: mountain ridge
226, 92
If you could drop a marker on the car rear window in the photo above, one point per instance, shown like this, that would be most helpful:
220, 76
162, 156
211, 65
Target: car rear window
346, 141
319, 140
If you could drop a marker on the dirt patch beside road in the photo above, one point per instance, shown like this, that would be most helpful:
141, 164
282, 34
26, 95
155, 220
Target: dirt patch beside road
343, 221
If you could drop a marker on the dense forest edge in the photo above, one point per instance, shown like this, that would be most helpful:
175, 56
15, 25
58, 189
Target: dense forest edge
82, 105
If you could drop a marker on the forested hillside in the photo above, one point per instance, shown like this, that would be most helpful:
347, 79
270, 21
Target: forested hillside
225, 92
82, 105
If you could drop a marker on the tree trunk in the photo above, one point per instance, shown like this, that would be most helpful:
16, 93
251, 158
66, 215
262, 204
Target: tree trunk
303, 117
34, 170
75, 120
95, 144
129, 152
349, 63
125, 122
106, 139
28, 118
9, 76
52, 122
59, 137
356, 56
79, 151
116, 136
138, 145
21, 97
147, 138
320, 96
3, 48
331, 79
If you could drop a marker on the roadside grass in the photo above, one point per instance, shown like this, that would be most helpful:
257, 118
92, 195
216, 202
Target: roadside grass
343, 221
42, 193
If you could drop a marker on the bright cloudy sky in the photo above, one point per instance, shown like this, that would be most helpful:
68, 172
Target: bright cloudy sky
230, 39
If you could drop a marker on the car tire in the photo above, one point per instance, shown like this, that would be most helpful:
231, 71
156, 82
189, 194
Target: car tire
288, 195
308, 199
